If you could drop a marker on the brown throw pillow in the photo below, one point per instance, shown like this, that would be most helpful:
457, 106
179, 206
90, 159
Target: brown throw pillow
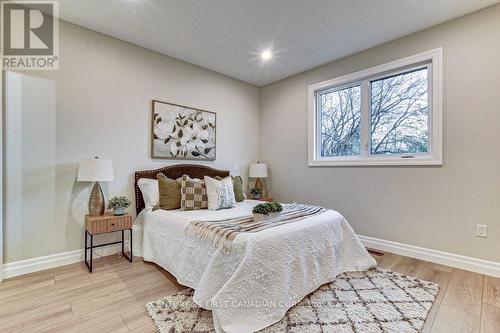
193, 194
170, 192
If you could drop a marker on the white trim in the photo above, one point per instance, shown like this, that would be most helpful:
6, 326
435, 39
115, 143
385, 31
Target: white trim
373, 161
435, 59
27, 266
1, 166
444, 258
41, 263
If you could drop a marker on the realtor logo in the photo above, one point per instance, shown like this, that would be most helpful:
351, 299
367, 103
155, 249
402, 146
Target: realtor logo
30, 35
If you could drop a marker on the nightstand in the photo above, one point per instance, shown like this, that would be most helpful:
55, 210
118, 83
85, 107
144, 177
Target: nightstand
95, 225
268, 199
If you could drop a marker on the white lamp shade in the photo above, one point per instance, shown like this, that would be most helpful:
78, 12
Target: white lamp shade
258, 170
95, 170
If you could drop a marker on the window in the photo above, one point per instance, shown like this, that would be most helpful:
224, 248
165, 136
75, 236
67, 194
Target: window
399, 113
386, 115
340, 113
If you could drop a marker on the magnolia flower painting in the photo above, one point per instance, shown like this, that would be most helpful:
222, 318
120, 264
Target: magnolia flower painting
181, 132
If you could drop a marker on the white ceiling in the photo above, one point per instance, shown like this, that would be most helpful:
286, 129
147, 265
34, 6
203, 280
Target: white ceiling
227, 36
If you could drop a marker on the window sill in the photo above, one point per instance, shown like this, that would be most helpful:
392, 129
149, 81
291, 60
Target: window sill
375, 162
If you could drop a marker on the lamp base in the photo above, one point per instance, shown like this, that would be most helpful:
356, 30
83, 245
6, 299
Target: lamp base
96, 201
258, 184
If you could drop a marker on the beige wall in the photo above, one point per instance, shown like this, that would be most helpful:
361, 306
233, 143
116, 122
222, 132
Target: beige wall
99, 103
432, 207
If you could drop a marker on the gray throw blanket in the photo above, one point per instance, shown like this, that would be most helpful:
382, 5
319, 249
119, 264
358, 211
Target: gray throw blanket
221, 233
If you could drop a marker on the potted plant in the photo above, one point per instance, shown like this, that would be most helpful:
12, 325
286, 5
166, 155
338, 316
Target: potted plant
118, 205
266, 210
256, 193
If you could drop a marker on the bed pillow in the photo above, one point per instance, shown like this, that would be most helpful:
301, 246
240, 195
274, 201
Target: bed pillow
239, 194
150, 192
169, 191
220, 193
193, 194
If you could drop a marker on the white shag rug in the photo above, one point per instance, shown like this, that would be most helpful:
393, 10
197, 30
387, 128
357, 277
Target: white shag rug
373, 301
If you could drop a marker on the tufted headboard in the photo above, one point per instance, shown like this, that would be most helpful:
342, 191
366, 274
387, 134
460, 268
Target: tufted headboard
174, 172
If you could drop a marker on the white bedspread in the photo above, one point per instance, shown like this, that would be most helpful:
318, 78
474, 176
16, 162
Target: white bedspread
264, 274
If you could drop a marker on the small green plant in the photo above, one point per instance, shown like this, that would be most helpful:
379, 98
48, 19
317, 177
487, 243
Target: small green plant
256, 192
268, 207
119, 202
261, 209
276, 206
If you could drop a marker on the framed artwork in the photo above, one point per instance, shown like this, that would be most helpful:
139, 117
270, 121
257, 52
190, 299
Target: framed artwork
183, 133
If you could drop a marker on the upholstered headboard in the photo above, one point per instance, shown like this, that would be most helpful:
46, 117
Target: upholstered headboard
174, 172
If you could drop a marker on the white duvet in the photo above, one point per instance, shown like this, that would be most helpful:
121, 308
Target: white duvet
264, 274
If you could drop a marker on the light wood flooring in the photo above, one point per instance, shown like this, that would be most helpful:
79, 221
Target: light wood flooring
112, 299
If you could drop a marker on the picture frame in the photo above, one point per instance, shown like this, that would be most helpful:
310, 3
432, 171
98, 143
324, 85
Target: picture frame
182, 132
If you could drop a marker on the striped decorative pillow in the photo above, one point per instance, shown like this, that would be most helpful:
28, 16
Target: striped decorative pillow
193, 194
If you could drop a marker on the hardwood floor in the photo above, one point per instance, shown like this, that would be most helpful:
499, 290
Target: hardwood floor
112, 299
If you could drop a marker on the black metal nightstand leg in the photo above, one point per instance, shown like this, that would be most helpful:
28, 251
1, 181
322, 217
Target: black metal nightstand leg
131, 255
129, 258
85, 249
91, 247
123, 243
89, 266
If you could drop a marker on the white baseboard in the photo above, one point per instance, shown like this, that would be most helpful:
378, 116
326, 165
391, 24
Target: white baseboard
445, 258
41, 263
27, 266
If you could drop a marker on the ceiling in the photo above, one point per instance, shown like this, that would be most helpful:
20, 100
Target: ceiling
227, 36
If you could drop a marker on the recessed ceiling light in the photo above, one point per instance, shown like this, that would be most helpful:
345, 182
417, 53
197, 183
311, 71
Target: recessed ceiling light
266, 55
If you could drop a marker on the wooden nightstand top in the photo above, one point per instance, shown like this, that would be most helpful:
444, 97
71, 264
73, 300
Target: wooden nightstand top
107, 223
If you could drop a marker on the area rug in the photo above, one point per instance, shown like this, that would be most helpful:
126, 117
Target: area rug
373, 301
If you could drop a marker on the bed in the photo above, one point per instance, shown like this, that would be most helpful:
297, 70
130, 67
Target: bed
263, 275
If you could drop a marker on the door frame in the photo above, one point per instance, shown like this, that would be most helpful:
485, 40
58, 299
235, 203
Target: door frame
2, 133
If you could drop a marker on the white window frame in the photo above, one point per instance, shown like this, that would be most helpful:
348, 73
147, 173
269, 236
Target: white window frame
433, 61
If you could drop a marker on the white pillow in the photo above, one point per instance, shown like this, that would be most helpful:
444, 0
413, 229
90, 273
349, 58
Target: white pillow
220, 194
150, 192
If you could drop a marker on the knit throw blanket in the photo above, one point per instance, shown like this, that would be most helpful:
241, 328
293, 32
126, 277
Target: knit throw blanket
221, 233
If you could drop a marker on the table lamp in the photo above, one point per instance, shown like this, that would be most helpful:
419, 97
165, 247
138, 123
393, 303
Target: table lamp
258, 170
95, 170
